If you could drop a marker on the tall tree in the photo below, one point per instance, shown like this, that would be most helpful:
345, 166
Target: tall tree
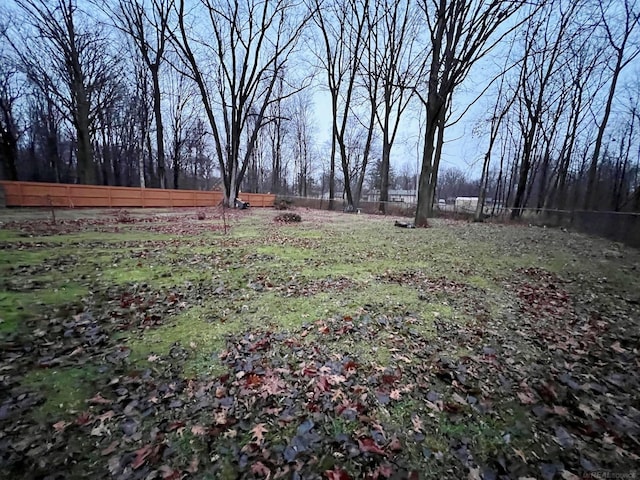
546, 39
9, 130
67, 56
620, 26
461, 32
399, 61
341, 24
250, 42
147, 24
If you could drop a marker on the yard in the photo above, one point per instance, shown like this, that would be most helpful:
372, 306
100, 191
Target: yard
153, 344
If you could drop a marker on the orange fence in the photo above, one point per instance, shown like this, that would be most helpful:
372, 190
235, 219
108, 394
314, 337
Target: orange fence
35, 194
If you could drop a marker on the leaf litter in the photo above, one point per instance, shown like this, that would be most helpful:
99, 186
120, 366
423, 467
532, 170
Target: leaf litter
549, 389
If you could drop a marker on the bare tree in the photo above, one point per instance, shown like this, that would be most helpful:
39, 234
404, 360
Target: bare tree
398, 62
546, 39
342, 27
67, 57
302, 125
250, 42
147, 24
9, 131
619, 33
461, 32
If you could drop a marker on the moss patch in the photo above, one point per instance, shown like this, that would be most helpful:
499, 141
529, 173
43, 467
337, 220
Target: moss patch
64, 390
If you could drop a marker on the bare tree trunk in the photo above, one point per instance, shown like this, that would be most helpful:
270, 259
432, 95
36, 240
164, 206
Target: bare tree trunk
157, 111
630, 22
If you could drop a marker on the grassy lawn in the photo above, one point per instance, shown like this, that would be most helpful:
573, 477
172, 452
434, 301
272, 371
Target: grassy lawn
156, 345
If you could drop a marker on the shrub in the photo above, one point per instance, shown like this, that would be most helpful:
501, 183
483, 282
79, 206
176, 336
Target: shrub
288, 218
283, 204
123, 216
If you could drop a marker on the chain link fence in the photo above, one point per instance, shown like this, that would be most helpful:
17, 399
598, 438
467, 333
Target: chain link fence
617, 226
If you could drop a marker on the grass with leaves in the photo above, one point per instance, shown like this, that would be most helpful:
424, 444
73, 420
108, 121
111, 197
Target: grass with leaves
161, 345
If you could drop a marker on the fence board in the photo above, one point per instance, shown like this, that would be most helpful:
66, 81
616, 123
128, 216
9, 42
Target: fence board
36, 194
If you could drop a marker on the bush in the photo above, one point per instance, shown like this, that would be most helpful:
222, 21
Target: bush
288, 218
123, 216
283, 204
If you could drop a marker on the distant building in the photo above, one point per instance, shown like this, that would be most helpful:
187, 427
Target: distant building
466, 204
403, 196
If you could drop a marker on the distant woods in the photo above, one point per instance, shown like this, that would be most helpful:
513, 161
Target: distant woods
350, 100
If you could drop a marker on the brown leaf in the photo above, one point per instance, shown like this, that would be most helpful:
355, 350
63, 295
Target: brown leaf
526, 398
417, 423
395, 445
395, 395
111, 448
193, 465
567, 475
520, 453
141, 456
60, 426
586, 410
260, 468
369, 445
474, 474
617, 348
99, 400
83, 418
562, 411
383, 471
257, 433
459, 399
198, 430
169, 473
337, 474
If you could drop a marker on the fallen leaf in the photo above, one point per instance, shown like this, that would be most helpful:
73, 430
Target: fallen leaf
257, 433
567, 475
459, 399
526, 398
617, 348
586, 410
369, 445
141, 456
111, 448
60, 426
193, 465
474, 474
99, 400
520, 453
564, 438
418, 425
260, 468
337, 474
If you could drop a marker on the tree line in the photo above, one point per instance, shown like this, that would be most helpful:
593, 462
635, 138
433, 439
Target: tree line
221, 94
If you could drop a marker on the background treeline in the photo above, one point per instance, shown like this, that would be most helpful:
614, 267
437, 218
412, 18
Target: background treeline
228, 94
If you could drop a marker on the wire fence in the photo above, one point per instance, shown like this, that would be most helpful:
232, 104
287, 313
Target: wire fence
621, 227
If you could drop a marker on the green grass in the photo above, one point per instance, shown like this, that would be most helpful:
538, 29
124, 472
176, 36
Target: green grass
197, 330
16, 307
64, 389
77, 270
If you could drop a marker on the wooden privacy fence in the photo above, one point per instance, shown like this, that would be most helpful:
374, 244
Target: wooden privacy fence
35, 194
